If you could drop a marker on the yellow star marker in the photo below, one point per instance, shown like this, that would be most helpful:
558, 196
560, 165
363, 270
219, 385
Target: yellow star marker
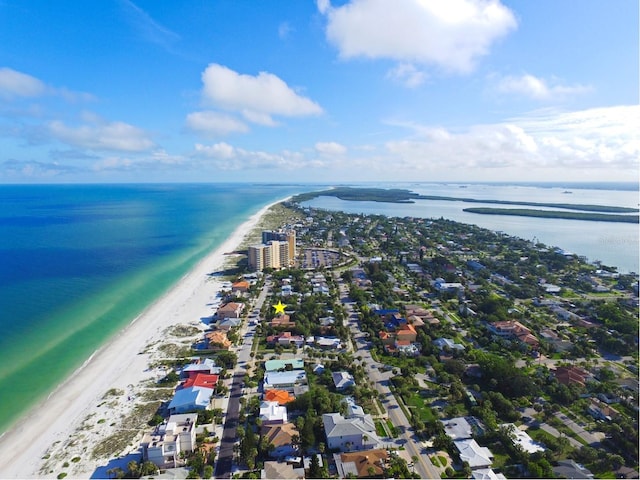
279, 307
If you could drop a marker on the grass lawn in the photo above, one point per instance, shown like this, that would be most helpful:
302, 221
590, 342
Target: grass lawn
500, 460
392, 428
539, 435
380, 431
417, 403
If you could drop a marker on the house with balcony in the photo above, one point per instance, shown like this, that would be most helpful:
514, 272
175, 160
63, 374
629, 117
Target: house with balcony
272, 413
189, 399
171, 438
230, 310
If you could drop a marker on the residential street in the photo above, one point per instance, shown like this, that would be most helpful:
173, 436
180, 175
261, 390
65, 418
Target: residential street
224, 463
381, 381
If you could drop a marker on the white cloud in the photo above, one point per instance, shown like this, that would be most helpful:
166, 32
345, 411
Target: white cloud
407, 74
538, 88
449, 34
284, 30
604, 138
215, 123
15, 84
20, 169
147, 27
330, 148
223, 156
102, 136
257, 97
259, 118
220, 150
18, 84
323, 6
158, 159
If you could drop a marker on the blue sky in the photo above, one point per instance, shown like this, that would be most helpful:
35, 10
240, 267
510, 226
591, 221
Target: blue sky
326, 91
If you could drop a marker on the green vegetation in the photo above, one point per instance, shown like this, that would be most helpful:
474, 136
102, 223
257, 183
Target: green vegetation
405, 196
523, 212
395, 195
113, 392
419, 408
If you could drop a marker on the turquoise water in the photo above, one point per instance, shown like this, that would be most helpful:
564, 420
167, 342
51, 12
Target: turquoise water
78, 263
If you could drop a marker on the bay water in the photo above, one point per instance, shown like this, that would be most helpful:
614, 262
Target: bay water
614, 244
80, 262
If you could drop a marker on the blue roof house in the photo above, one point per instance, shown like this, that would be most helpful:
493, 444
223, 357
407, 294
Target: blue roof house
190, 399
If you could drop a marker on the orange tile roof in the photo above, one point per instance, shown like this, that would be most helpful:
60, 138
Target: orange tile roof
281, 396
219, 337
279, 435
405, 327
240, 285
365, 460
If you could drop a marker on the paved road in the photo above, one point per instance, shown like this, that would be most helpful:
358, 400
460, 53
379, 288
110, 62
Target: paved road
423, 466
224, 463
549, 429
588, 437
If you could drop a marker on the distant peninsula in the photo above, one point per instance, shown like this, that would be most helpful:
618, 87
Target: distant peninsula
397, 195
525, 212
393, 195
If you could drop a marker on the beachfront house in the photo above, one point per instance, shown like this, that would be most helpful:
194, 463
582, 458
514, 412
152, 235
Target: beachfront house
207, 366
190, 399
230, 310
169, 439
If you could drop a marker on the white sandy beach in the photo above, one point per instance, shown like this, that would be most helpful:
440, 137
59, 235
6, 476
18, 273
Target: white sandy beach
65, 427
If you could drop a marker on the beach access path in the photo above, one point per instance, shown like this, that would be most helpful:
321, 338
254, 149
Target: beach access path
30, 444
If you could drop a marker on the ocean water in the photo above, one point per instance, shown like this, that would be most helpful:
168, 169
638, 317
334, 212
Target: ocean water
614, 244
80, 262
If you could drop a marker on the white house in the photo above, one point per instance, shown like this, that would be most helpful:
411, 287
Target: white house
272, 413
474, 454
457, 428
523, 439
447, 342
348, 434
487, 474
189, 399
286, 380
343, 380
164, 445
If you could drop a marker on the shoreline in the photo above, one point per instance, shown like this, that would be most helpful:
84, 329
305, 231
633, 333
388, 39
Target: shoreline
61, 427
